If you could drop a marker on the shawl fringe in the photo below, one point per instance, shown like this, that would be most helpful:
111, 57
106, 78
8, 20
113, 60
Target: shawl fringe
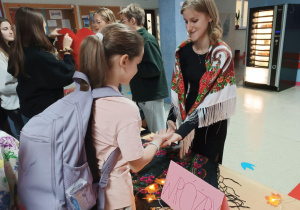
206, 117
213, 114
186, 143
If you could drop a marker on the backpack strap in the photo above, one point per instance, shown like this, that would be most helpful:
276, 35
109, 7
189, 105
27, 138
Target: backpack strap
105, 92
111, 161
106, 170
77, 77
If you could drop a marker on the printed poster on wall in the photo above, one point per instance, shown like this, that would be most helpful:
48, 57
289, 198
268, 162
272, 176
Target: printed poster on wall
86, 21
52, 23
55, 14
92, 16
65, 23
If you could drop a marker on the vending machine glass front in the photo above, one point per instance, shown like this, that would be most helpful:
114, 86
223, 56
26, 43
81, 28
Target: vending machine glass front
259, 43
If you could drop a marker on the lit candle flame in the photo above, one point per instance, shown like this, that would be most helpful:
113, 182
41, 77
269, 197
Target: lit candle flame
160, 181
150, 197
152, 188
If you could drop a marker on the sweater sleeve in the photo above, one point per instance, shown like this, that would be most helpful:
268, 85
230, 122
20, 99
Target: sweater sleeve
54, 73
152, 62
171, 115
186, 128
7, 83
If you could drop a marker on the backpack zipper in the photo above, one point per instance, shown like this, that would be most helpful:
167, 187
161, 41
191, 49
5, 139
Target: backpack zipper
80, 119
53, 180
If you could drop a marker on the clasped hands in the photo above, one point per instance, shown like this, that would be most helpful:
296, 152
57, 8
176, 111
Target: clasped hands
167, 136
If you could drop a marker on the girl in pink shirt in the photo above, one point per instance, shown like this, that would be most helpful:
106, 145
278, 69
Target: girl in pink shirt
109, 59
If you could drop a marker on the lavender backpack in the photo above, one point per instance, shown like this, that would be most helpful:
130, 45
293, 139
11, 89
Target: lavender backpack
53, 169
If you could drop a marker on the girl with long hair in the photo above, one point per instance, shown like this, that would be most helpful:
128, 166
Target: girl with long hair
41, 77
203, 85
8, 84
116, 122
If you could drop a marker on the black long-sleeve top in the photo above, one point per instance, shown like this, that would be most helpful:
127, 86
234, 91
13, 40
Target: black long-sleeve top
192, 67
47, 77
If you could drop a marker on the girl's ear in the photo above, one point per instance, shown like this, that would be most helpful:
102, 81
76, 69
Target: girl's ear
209, 19
124, 60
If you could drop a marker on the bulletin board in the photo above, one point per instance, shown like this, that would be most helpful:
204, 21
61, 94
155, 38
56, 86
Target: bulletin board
56, 16
87, 11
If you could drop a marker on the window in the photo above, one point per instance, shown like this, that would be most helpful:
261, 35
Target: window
242, 6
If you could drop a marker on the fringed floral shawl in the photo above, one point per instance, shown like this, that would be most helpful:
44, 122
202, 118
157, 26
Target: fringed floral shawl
216, 99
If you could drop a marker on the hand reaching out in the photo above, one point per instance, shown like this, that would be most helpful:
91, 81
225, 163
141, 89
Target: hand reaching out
149, 152
161, 136
175, 137
172, 125
55, 33
67, 42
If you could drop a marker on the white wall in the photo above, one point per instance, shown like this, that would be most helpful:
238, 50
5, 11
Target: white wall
238, 39
226, 6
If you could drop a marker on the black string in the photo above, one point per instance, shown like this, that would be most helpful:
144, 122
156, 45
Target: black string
232, 198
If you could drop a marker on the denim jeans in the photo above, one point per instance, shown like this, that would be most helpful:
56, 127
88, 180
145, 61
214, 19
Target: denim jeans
25, 119
15, 121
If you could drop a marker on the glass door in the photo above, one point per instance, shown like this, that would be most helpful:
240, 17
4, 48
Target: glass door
260, 40
260, 30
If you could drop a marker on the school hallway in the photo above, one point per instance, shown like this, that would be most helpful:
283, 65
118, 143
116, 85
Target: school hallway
265, 132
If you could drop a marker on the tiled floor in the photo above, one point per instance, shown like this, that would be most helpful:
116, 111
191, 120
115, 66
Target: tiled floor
265, 131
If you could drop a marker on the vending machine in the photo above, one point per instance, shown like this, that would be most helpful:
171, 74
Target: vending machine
273, 46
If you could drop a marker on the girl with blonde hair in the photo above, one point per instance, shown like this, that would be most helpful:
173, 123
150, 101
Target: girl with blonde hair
203, 85
102, 17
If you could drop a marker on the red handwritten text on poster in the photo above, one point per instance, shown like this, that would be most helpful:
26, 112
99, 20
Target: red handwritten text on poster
185, 191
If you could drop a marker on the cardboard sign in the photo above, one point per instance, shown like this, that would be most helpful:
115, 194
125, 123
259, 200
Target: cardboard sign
184, 190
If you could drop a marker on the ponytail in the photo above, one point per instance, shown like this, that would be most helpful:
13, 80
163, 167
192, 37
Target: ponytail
92, 61
95, 54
